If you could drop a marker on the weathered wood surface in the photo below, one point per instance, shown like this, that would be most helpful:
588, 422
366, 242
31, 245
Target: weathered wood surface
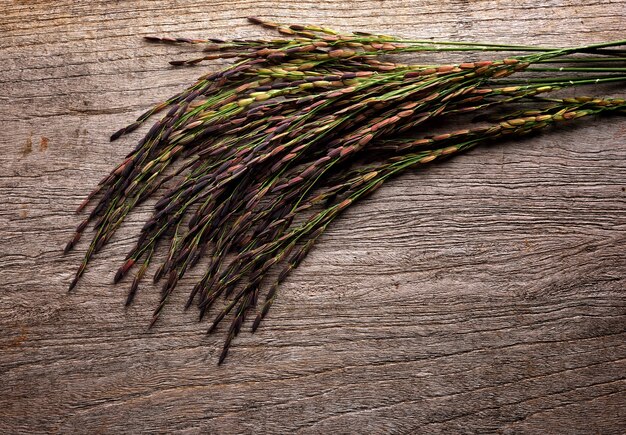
486, 294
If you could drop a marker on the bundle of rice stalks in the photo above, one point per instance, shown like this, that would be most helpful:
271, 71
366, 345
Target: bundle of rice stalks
275, 146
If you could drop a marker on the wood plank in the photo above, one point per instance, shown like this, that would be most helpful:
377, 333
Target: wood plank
482, 295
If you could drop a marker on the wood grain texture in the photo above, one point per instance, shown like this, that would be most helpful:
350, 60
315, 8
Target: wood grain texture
486, 294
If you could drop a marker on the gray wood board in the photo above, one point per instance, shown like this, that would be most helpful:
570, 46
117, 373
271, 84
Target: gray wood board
485, 294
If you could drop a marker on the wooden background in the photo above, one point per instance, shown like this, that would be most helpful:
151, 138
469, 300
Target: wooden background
482, 295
